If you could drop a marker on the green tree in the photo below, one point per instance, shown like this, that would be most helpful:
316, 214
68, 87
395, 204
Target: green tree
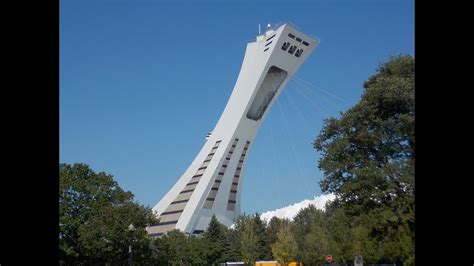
263, 243
302, 227
368, 158
316, 241
197, 252
232, 253
363, 244
339, 229
248, 238
367, 150
94, 215
215, 237
273, 228
172, 248
391, 236
284, 249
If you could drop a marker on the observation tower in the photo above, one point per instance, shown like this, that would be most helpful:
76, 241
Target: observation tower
212, 184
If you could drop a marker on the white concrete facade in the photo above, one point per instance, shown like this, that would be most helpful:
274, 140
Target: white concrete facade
212, 183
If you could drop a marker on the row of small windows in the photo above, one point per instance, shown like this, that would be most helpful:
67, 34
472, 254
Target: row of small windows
268, 40
287, 44
213, 192
187, 191
268, 43
206, 162
297, 39
235, 182
292, 49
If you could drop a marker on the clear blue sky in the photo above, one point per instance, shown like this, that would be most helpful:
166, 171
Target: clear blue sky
142, 82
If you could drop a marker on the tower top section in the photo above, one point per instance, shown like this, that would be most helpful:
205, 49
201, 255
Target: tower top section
293, 33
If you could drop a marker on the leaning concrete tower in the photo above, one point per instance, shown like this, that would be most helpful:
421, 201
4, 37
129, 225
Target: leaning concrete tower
212, 183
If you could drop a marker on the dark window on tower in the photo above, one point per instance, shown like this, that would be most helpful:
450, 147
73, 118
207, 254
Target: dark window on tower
292, 49
291, 35
179, 201
166, 223
271, 37
270, 85
298, 52
285, 46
